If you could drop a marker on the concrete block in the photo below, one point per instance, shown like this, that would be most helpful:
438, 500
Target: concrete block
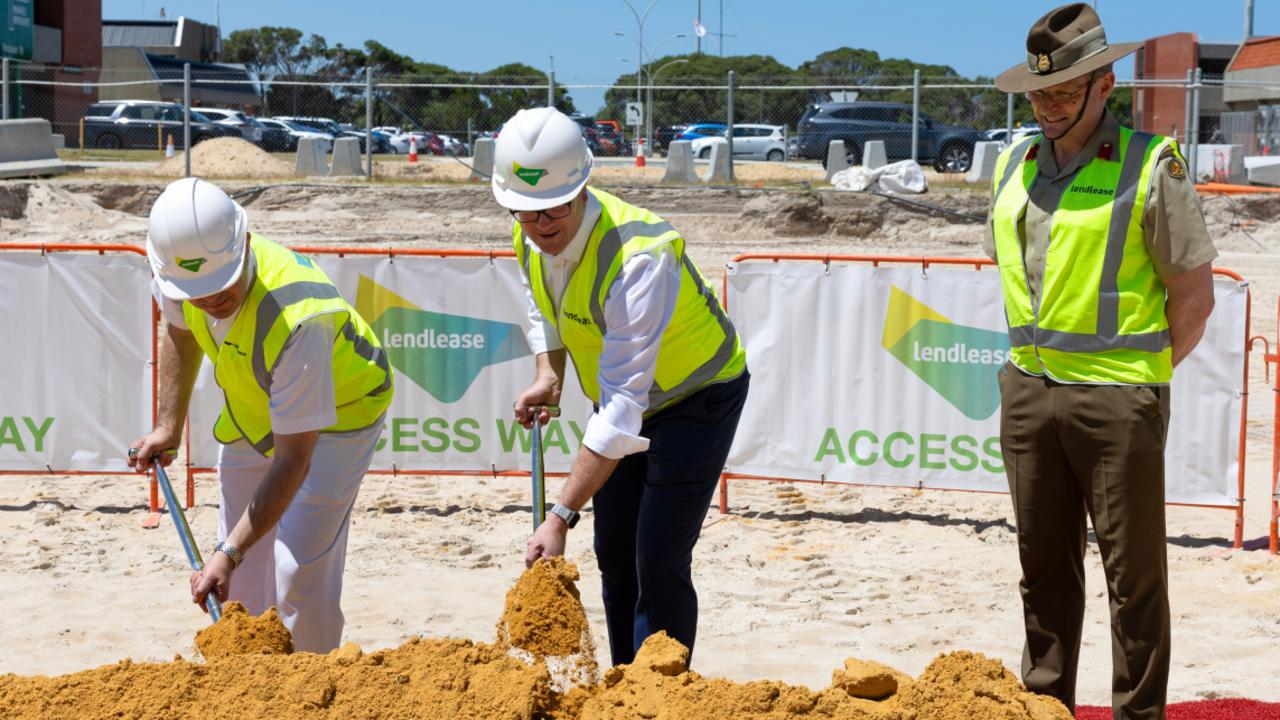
1220, 163
836, 158
59, 141
719, 170
1263, 169
311, 157
983, 169
679, 164
346, 157
26, 149
482, 161
873, 154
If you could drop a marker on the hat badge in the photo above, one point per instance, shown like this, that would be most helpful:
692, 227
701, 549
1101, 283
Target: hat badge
1043, 63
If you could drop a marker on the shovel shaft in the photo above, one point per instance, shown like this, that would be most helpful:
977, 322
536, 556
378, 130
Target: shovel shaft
537, 471
184, 535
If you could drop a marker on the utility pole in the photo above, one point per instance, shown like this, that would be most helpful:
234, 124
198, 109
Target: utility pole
697, 26
1248, 19
722, 40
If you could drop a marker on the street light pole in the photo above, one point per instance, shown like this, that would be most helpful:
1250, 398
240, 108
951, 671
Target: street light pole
649, 101
640, 46
646, 119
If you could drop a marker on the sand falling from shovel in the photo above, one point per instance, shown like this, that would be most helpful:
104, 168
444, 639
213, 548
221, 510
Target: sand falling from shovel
249, 674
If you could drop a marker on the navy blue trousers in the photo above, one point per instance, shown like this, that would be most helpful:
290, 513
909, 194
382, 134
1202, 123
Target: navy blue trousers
650, 512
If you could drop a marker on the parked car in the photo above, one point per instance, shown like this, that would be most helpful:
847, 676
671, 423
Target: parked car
381, 141
750, 141
296, 132
132, 124
236, 119
1023, 131
454, 146
949, 148
322, 124
694, 131
662, 136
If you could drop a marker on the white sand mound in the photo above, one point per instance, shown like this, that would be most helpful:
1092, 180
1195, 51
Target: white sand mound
227, 158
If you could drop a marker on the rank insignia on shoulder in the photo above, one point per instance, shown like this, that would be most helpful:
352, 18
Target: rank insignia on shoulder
1177, 170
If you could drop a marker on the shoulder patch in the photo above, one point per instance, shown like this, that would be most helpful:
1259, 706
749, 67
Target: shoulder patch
1176, 169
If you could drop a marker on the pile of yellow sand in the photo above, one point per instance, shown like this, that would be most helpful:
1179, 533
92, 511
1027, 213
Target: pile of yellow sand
226, 158
250, 673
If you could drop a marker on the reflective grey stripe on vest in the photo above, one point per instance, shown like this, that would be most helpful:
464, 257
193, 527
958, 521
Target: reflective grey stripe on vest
1121, 213
269, 309
1016, 159
263, 446
1024, 335
1107, 336
610, 245
370, 352
709, 369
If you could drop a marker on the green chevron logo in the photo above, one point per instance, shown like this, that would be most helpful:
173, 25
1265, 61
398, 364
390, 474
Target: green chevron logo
960, 363
442, 354
529, 175
192, 264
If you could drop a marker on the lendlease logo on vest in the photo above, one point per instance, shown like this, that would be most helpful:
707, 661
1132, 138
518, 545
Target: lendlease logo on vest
1092, 190
442, 354
960, 363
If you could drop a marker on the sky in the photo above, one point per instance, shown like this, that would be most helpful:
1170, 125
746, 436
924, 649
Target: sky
980, 37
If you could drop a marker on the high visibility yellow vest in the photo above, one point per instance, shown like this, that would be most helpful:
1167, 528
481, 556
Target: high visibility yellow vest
1100, 316
289, 289
700, 346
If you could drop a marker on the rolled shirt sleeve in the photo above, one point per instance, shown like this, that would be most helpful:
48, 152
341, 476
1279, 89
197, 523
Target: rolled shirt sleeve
637, 312
1173, 222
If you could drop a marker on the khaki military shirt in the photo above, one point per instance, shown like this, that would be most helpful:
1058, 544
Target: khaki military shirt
1173, 222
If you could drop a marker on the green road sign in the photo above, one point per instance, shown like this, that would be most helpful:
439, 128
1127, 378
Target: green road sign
16, 35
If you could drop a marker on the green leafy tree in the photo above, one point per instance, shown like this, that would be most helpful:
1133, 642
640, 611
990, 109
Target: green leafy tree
279, 53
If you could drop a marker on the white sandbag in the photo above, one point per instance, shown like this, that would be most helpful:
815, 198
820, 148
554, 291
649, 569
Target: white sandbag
904, 177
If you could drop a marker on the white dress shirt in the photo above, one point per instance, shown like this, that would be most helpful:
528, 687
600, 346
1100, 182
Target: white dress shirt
637, 311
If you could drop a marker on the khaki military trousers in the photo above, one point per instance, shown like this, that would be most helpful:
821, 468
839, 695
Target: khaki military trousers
1072, 451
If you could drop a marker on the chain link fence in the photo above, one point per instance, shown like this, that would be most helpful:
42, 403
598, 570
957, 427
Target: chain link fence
936, 120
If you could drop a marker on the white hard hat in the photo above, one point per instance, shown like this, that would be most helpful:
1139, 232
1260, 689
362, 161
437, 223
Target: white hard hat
196, 239
540, 160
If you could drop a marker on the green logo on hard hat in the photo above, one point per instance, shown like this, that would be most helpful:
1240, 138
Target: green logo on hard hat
192, 264
529, 175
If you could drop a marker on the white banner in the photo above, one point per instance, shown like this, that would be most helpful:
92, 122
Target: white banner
454, 329
76, 335
887, 376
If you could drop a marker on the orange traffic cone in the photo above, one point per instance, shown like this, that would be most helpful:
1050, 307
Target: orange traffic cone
413, 149
168, 149
640, 152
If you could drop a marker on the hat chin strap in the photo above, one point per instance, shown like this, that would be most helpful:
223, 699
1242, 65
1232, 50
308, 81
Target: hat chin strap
1088, 94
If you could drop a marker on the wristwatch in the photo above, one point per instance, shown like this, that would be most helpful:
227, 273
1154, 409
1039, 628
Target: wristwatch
565, 513
231, 552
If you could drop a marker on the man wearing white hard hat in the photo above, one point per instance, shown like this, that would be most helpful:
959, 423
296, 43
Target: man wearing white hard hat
611, 284
305, 383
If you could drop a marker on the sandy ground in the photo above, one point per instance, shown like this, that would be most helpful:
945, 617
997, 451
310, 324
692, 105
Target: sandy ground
795, 579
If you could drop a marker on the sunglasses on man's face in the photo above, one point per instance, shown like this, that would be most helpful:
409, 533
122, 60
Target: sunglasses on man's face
558, 212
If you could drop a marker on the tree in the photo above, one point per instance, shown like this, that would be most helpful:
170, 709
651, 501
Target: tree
278, 53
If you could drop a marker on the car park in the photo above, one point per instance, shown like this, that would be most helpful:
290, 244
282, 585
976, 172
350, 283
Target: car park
248, 129
699, 130
750, 142
145, 124
949, 148
296, 132
1023, 131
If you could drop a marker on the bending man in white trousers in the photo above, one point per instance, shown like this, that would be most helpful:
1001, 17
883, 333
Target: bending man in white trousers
305, 384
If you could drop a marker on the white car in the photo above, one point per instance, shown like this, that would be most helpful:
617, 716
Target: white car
454, 146
1026, 131
760, 142
398, 138
223, 116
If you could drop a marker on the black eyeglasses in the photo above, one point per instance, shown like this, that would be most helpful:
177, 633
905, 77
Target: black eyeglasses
558, 212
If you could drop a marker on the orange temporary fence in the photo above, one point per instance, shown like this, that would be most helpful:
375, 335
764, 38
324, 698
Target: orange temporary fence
1272, 357
44, 248
978, 264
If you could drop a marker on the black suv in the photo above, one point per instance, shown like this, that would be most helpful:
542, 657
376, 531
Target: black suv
947, 147
145, 124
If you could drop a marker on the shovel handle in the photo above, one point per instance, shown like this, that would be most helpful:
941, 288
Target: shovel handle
184, 532
537, 470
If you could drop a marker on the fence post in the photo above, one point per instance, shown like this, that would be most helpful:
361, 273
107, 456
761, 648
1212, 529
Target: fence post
1195, 125
186, 120
1186, 125
368, 122
551, 89
471, 136
915, 116
1008, 121
4, 111
729, 130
